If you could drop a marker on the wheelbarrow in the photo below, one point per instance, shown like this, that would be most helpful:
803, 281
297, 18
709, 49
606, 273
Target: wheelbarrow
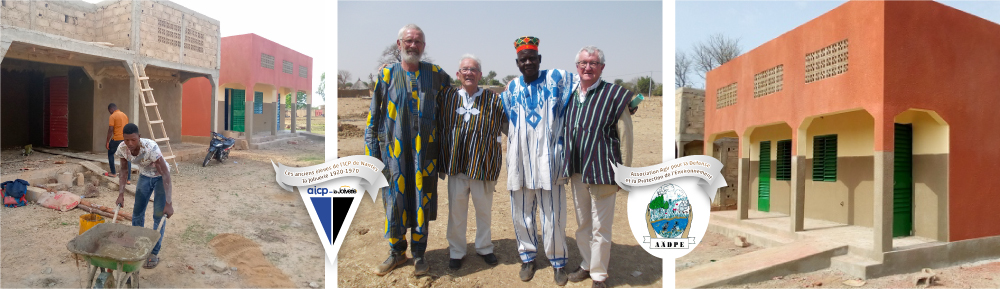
114, 253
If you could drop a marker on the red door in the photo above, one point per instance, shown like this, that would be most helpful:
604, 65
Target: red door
57, 111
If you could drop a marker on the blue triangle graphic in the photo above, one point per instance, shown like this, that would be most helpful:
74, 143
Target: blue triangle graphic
323, 206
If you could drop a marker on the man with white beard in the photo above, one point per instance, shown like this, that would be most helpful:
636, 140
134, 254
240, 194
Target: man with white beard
401, 131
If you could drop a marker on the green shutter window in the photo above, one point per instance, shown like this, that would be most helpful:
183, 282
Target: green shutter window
258, 102
764, 176
825, 158
784, 171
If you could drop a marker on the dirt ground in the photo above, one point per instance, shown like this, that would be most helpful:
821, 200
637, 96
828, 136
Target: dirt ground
318, 124
716, 248
230, 214
364, 248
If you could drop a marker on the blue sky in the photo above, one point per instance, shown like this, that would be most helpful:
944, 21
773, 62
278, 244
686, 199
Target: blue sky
755, 23
630, 33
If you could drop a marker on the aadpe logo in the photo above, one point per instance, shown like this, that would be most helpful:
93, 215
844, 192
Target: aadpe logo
343, 190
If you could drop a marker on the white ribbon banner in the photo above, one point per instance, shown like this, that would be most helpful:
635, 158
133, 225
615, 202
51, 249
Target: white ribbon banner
706, 168
367, 170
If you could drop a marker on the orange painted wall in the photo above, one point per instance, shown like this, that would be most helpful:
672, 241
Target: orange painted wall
241, 56
948, 61
196, 107
861, 86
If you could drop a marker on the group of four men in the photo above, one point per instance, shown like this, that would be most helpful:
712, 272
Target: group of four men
561, 127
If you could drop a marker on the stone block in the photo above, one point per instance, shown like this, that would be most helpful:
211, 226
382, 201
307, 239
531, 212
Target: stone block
65, 178
79, 179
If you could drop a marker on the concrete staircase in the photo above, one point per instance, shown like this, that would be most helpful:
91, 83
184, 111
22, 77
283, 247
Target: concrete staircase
264, 141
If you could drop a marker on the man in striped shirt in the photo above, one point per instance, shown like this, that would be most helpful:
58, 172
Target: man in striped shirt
593, 142
535, 105
471, 122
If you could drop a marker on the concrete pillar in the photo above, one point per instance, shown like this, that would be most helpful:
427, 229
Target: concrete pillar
798, 192
134, 102
309, 112
883, 204
743, 201
277, 118
248, 113
281, 111
680, 147
799, 173
214, 82
295, 109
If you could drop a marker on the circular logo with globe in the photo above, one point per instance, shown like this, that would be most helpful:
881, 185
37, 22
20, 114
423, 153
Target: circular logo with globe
668, 214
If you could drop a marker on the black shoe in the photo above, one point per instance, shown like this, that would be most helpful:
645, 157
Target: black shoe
599, 284
579, 275
527, 271
560, 276
455, 264
490, 258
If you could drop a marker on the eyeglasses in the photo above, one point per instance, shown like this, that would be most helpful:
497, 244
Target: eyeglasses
533, 59
582, 64
412, 42
468, 70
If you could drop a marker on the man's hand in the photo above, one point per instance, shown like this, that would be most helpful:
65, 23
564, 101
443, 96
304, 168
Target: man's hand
121, 200
168, 210
107, 145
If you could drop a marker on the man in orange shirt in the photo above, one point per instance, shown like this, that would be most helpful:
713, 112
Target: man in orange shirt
116, 123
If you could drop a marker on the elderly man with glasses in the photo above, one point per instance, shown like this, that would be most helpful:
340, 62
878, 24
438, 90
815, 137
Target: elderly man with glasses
535, 105
401, 131
471, 122
593, 142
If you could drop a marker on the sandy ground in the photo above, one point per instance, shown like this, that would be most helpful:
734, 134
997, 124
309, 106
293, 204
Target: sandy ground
716, 248
230, 214
318, 124
364, 248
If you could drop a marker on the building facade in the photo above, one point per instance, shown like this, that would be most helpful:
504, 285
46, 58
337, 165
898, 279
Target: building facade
875, 114
255, 77
63, 62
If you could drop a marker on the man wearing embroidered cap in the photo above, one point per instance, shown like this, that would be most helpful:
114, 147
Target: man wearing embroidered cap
593, 142
401, 132
472, 120
535, 105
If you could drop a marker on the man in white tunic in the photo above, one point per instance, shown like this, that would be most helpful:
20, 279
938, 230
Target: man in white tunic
535, 104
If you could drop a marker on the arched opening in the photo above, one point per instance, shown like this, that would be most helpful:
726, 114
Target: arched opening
920, 174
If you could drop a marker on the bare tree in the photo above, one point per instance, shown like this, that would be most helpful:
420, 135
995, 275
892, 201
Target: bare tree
682, 70
390, 55
714, 51
343, 78
507, 79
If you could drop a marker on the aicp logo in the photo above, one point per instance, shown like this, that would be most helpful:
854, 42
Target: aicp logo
332, 192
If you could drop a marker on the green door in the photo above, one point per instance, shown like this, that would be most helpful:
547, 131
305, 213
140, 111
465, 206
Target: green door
902, 186
238, 108
764, 187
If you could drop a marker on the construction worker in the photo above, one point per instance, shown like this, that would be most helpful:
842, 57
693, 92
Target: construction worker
154, 178
116, 123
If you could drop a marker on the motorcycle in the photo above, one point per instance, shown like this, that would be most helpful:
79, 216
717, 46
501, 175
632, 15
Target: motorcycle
218, 148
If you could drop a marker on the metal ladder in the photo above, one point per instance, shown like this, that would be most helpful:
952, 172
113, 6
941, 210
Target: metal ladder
142, 83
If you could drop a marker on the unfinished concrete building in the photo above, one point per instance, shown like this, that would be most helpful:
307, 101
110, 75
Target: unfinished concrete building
689, 126
256, 74
63, 62
865, 127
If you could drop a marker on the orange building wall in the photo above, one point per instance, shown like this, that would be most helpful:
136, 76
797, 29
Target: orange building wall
860, 87
948, 61
197, 108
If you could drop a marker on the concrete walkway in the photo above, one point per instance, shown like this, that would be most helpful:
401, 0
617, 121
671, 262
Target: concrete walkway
797, 257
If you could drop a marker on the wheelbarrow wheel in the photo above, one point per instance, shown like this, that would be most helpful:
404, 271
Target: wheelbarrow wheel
105, 280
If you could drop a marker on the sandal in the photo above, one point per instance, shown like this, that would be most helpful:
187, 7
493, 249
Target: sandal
151, 262
106, 174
